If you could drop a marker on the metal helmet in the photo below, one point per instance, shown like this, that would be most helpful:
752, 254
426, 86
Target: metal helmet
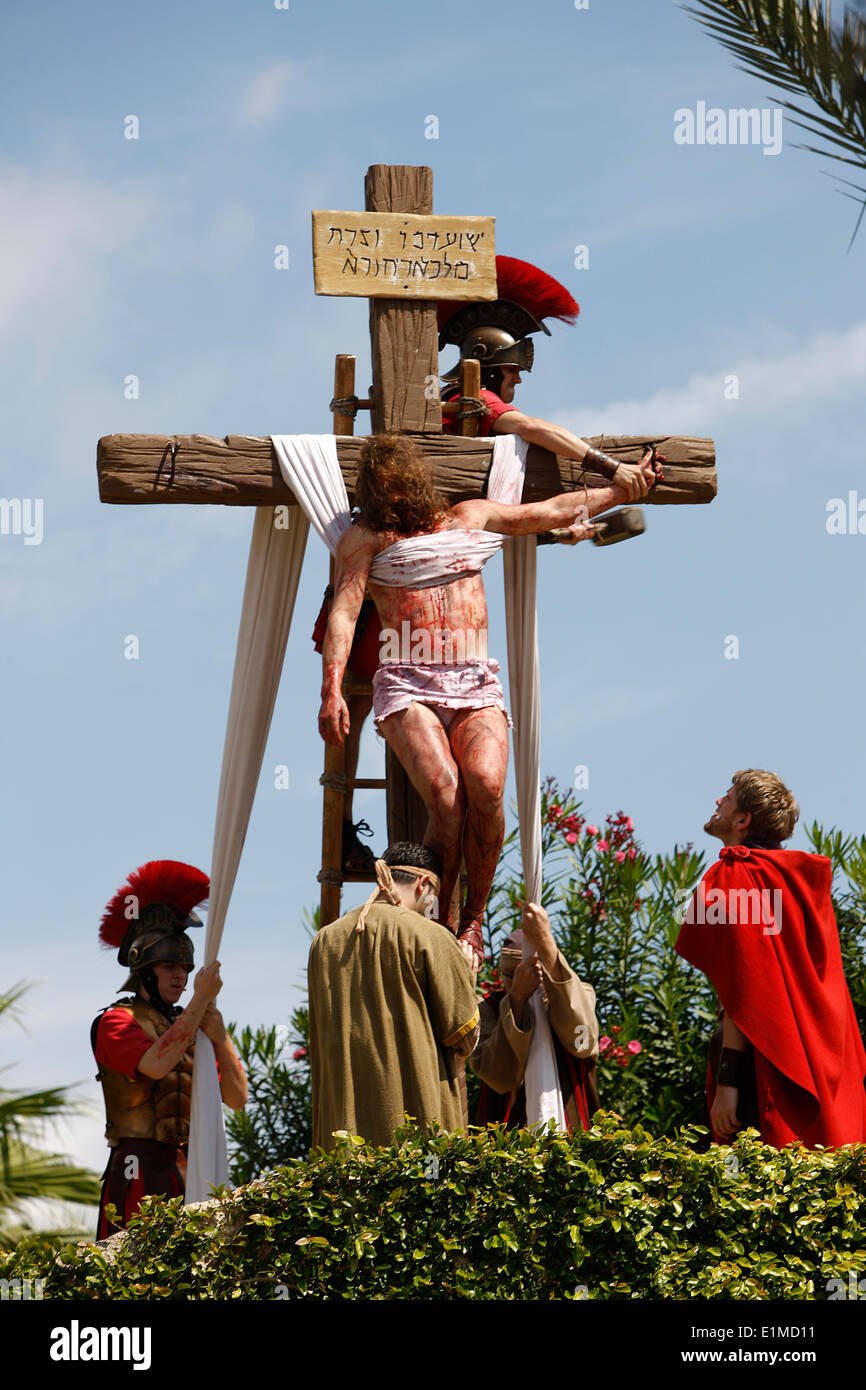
496, 331
494, 347
148, 917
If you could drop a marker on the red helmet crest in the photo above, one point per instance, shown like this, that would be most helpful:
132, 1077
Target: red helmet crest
522, 283
159, 881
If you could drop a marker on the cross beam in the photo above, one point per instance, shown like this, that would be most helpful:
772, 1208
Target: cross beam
241, 470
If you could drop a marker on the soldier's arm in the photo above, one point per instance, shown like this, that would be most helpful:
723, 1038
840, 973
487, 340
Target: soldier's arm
167, 1051
233, 1079
635, 479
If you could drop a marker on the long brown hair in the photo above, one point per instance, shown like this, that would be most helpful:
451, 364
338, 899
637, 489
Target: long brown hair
394, 489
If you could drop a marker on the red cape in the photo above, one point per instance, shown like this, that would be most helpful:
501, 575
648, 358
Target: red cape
785, 989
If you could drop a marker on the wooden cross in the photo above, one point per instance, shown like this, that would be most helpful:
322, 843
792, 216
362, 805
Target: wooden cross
241, 470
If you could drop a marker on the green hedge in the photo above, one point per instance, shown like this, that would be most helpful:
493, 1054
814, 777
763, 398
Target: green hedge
609, 1214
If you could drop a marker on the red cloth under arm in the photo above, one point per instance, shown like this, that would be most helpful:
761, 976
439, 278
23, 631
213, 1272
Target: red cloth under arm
785, 990
495, 404
120, 1042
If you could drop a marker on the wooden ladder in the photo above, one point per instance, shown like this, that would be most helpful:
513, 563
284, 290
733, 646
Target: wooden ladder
406, 813
335, 785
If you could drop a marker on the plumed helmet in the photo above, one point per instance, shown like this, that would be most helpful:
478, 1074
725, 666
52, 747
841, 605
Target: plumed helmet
496, 332
148, 917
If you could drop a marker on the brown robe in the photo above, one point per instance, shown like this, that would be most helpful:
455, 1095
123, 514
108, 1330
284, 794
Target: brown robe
503, 1047
392, 1008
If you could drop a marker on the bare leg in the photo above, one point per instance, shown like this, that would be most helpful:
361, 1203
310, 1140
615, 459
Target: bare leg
419, 740
479, 742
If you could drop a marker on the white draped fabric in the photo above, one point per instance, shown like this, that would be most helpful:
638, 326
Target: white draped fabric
273, 571
544, 1100
310, 468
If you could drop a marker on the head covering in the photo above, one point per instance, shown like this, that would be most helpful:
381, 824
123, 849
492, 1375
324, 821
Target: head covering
496, 331
510, 955
385, 886
148, 917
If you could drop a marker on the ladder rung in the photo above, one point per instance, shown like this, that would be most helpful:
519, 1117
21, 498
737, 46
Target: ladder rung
347, 878
365, 783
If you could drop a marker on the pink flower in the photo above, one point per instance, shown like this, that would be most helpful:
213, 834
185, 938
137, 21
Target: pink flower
299, 1053
603, 846
571, 838
619, 857
592, 830
603, 1043
632, 852
629, 824
634, 1046
617, 1028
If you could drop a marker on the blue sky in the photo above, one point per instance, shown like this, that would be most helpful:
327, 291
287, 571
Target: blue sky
154, 257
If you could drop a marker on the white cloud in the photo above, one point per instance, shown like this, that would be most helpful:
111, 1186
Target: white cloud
282, 85
59, 239
54, 230
828, 368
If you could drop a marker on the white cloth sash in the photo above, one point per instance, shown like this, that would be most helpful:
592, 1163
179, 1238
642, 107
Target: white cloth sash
309, 465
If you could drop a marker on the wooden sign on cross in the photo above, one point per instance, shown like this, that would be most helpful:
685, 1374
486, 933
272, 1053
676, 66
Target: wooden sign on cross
241, 470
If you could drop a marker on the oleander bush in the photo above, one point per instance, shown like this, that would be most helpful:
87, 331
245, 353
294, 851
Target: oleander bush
492, 1214
276, 1125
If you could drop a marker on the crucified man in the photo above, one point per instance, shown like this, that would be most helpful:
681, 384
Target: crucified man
436, 696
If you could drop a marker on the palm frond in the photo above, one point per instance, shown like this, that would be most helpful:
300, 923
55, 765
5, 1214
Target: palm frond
9, 1000
19, 1108
794, 45
26, 1171
30, 1173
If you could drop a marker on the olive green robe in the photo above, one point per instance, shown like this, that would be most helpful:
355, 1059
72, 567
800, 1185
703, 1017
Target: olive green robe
391, 1009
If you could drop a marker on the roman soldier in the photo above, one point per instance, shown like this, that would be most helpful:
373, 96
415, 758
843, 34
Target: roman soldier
144, 1043
498, 333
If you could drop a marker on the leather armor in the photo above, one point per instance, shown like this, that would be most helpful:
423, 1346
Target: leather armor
140, 1107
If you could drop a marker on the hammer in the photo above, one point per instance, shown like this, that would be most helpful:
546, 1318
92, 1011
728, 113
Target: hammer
608, 530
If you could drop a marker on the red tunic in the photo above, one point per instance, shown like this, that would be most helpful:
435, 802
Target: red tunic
158, 1169
120, 1042
776, 965
495, 405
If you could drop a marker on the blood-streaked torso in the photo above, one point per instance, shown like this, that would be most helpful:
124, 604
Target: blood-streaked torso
460, 606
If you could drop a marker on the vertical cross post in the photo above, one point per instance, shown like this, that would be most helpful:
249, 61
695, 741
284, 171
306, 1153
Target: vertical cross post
405, 359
